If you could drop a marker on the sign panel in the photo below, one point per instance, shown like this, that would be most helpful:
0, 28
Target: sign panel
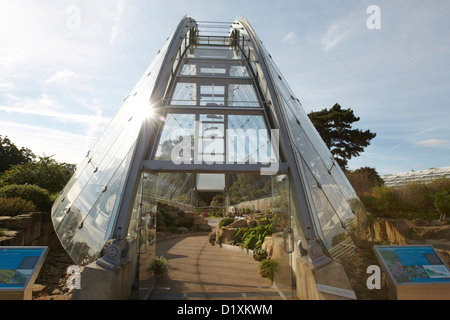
19, 266
413, 264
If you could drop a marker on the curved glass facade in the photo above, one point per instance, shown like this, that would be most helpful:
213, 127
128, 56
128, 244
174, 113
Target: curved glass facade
85, 212
218, 104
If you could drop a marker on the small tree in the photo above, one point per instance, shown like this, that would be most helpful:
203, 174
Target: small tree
11, 155
364, 180
442, 203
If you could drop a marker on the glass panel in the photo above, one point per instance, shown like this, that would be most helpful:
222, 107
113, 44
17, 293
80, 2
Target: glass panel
248, 140
270, 197
211, 52
242, 95
249, 187
175, 187
331, 195
85, 235
81, 215
235, 69
176, 127
231, 95
210, 182
142, 235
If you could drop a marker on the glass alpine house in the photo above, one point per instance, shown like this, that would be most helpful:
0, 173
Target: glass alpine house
210, 112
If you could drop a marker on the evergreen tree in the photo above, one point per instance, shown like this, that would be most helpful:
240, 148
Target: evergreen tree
335, 128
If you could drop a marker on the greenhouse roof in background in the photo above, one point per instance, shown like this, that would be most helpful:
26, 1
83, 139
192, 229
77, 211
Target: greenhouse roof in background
396, 180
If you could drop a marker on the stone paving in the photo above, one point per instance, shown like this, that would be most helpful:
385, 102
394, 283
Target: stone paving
200, 271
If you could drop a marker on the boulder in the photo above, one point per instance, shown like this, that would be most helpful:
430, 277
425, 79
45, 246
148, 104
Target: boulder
240, 223
268, 246
182, 230
251, 223
227, 234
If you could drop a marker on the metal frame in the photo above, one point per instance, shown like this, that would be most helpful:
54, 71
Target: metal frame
116, 251
151, 131
297, 183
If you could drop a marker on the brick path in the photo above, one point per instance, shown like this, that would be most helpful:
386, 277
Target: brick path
198, 270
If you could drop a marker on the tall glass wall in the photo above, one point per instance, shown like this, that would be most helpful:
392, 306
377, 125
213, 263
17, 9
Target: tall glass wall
337, 211
85, 212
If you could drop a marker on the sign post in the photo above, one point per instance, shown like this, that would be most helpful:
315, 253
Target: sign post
19, 268
414, 272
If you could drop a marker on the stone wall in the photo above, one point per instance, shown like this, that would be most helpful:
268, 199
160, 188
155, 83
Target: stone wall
32, 229
401, 232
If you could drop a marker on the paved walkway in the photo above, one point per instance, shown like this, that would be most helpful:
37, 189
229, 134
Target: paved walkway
198, 270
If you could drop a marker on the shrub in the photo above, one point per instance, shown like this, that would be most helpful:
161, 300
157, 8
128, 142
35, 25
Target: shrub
38, 196
225, 222
15, 206
440, 184
268, 268
416, 196
158, 266
259, 254
369, 201
386, 198
363, 180
442, 202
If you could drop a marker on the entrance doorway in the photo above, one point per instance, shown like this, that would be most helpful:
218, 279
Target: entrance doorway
260, 199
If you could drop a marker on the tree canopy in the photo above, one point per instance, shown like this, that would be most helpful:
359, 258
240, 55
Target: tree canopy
11, 155
335, 128
46, 173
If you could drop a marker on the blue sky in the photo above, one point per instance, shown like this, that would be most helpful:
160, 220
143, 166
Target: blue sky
66, 67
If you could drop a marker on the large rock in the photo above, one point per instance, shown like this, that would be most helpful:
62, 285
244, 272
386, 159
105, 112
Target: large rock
240, 223
226, 234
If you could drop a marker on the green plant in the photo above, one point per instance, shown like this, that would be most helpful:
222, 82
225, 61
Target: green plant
442, 202
268, 268
416, 196
158, 266
37, 195
15, 206
254, 237
259, 254
46, 173
225, 222
386, 198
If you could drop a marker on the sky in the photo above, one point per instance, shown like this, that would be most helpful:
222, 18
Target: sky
67, 66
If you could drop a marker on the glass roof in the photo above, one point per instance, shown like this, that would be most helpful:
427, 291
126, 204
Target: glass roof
397, 180
213, 93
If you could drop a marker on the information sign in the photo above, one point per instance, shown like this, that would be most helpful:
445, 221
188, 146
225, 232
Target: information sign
19, 266
413, 264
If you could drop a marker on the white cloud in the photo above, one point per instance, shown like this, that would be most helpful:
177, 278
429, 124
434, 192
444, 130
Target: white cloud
6, 86
290, 38
334, 35
431, 142
118, 18
38, 37
67, 147
64, 77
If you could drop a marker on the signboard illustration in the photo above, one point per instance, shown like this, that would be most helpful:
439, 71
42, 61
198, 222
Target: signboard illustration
19, 266
413, 264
